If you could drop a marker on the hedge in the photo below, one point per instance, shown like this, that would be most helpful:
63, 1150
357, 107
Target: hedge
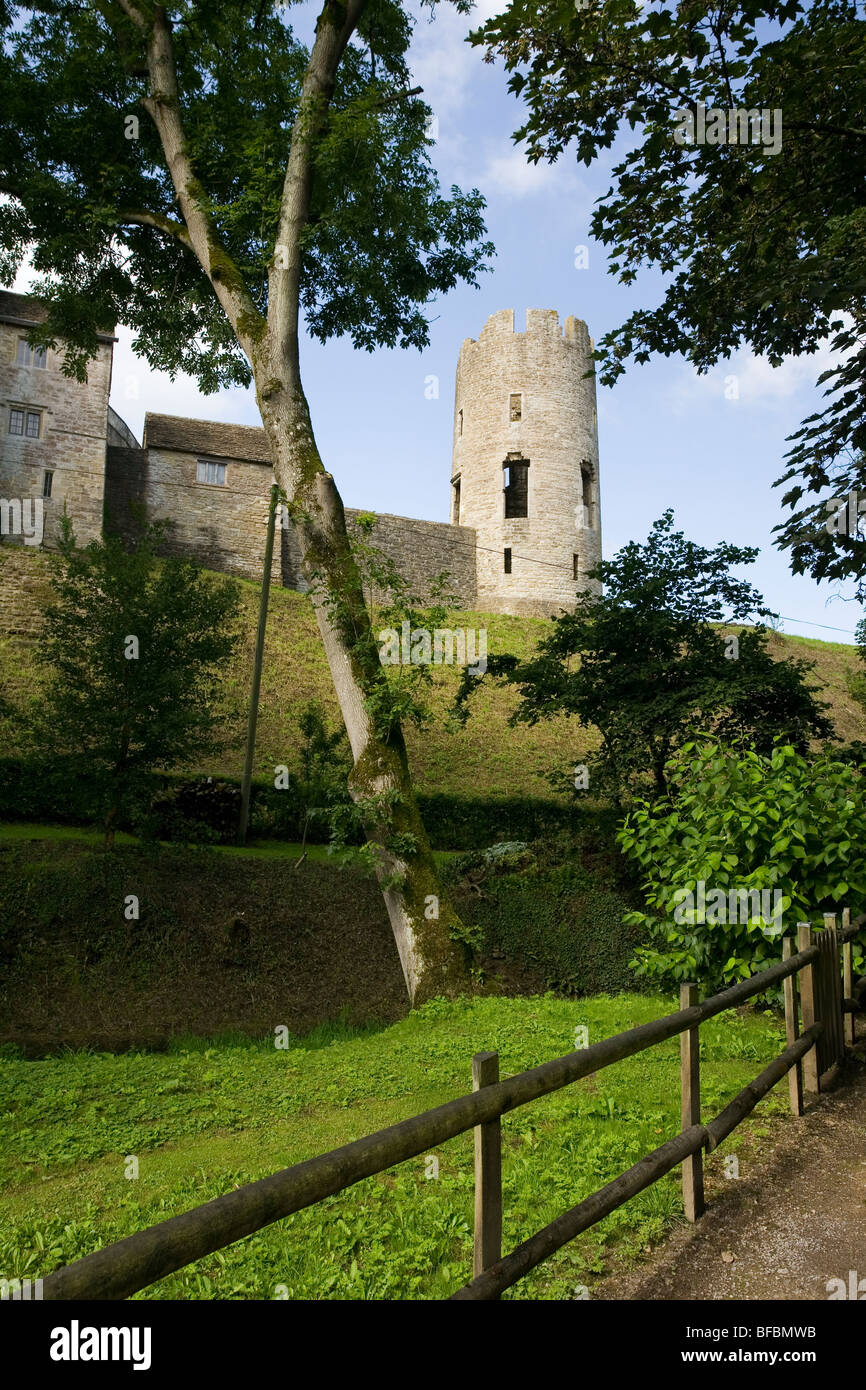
184, 809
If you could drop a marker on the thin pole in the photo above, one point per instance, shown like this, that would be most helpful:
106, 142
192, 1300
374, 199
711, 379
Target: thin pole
246, 786
808, 1009
848, 975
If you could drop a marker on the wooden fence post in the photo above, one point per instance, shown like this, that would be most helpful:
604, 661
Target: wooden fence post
807, 1004
831, 1013
690, 1080
848, 976
488, 1172
792, 1031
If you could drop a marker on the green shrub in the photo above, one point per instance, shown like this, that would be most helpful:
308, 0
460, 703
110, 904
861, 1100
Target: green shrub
740, 822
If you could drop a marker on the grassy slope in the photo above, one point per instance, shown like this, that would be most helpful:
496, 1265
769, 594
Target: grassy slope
485, 757
206, 1117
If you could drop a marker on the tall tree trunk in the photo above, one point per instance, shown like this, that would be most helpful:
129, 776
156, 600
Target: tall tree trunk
422, 916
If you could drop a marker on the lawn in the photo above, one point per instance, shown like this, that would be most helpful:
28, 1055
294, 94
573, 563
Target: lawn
204, 1117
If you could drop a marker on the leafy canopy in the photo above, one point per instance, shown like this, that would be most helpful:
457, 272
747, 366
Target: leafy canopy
757, 248
98, 210
643, 663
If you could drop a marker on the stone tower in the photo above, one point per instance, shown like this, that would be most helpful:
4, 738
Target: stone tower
525, 461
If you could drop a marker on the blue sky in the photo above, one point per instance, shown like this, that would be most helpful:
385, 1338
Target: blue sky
667, 436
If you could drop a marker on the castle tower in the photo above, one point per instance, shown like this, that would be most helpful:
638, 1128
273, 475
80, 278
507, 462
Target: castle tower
525, 461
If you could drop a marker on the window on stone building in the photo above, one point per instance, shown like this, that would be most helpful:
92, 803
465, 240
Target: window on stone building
515, 407
208, 472
574, 567
47, 480
508, 559
515, 485
460, 422
456, 508
25, 422
29, 356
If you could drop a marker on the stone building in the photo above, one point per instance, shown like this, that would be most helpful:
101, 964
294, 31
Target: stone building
524, 523
53, 430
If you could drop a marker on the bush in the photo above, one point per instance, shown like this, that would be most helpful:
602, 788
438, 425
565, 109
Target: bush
738, 822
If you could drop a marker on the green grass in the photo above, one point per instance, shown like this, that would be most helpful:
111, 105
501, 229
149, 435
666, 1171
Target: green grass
203, 1118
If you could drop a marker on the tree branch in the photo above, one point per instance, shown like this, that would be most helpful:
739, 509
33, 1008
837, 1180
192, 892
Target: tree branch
334, 28
176, 230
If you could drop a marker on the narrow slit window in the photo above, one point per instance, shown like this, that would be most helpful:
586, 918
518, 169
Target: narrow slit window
515, 407
460, 422
455, 517
47, 482
574, 567
507, 555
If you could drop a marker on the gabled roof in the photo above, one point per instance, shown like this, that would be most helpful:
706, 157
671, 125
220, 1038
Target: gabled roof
206, 437
27, 311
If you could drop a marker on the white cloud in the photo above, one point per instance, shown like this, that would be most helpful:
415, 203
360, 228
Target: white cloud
512, 174
136, 388
442, 62
750, 379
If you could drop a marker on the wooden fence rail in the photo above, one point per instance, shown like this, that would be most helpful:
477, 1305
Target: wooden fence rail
141, 1259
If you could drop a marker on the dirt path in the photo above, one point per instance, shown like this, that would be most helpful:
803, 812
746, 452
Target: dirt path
793, 1221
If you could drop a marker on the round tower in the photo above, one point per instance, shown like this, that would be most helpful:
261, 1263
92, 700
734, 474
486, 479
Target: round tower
525, 461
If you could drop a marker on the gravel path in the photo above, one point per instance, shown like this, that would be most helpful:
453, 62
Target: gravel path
792, 1222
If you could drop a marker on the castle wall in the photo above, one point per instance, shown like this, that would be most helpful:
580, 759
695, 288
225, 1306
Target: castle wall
421, 551
542, 375
72, 437
223, 527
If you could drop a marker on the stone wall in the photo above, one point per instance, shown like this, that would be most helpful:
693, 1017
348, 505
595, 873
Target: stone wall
24, 591
223, 527
72, 438
421, 550
527, 396
220, 527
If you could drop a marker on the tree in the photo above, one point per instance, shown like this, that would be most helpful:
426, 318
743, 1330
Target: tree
743, 846
133, 648
264, 182
761, 245
642, 663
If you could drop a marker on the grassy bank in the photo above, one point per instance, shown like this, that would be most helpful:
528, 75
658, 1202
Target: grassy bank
486, 757
244, 940
203, 1118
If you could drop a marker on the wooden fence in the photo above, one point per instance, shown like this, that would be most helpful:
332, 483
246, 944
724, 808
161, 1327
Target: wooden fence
828, 999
